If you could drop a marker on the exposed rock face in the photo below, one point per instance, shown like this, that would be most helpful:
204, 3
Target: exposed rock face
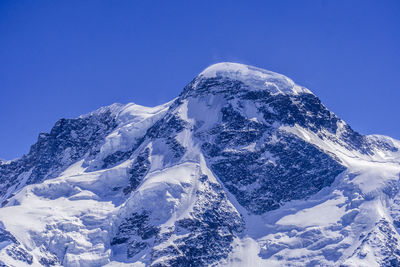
68, 141
244, 168
254, 158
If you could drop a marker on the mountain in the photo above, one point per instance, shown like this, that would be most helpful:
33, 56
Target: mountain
243, 168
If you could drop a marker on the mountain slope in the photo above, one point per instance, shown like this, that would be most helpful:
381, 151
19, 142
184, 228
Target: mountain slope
244, 168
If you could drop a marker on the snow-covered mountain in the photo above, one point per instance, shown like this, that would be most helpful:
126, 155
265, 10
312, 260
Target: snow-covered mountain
244, 168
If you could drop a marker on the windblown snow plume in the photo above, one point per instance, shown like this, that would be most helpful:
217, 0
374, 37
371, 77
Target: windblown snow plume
243, 168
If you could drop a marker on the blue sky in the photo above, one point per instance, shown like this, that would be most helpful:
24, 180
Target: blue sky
65, 58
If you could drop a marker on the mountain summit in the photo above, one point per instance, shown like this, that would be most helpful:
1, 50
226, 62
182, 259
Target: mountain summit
243, 168
255, 78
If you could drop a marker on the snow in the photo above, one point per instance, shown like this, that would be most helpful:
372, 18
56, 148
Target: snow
258, 79
323, 214
204, 110
133, 122
75, 215
355, 202
246, 252
70, 215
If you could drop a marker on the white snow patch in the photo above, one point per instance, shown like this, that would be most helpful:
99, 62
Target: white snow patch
258, 79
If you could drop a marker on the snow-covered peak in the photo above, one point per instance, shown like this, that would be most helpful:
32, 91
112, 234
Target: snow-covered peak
256, 78
131, 111
113, 109
244, 158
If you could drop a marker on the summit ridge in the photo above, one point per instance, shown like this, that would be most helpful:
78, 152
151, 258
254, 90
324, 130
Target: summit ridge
256, 78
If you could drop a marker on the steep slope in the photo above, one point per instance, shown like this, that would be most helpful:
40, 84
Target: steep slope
244, 168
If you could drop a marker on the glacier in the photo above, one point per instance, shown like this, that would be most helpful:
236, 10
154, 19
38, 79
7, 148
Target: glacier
243, 168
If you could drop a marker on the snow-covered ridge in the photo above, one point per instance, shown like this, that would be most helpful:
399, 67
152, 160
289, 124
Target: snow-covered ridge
229, 174
256, 78
133, 121
113, 109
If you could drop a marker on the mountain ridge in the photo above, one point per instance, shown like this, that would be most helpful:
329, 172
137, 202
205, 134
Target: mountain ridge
235, 171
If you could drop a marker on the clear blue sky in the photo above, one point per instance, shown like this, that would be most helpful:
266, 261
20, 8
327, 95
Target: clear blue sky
65, 58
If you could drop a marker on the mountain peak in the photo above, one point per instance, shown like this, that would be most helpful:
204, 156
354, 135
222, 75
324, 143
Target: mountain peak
244, 168
256, 79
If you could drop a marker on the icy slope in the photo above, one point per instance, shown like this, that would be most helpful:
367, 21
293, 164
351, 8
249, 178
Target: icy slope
244, 168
